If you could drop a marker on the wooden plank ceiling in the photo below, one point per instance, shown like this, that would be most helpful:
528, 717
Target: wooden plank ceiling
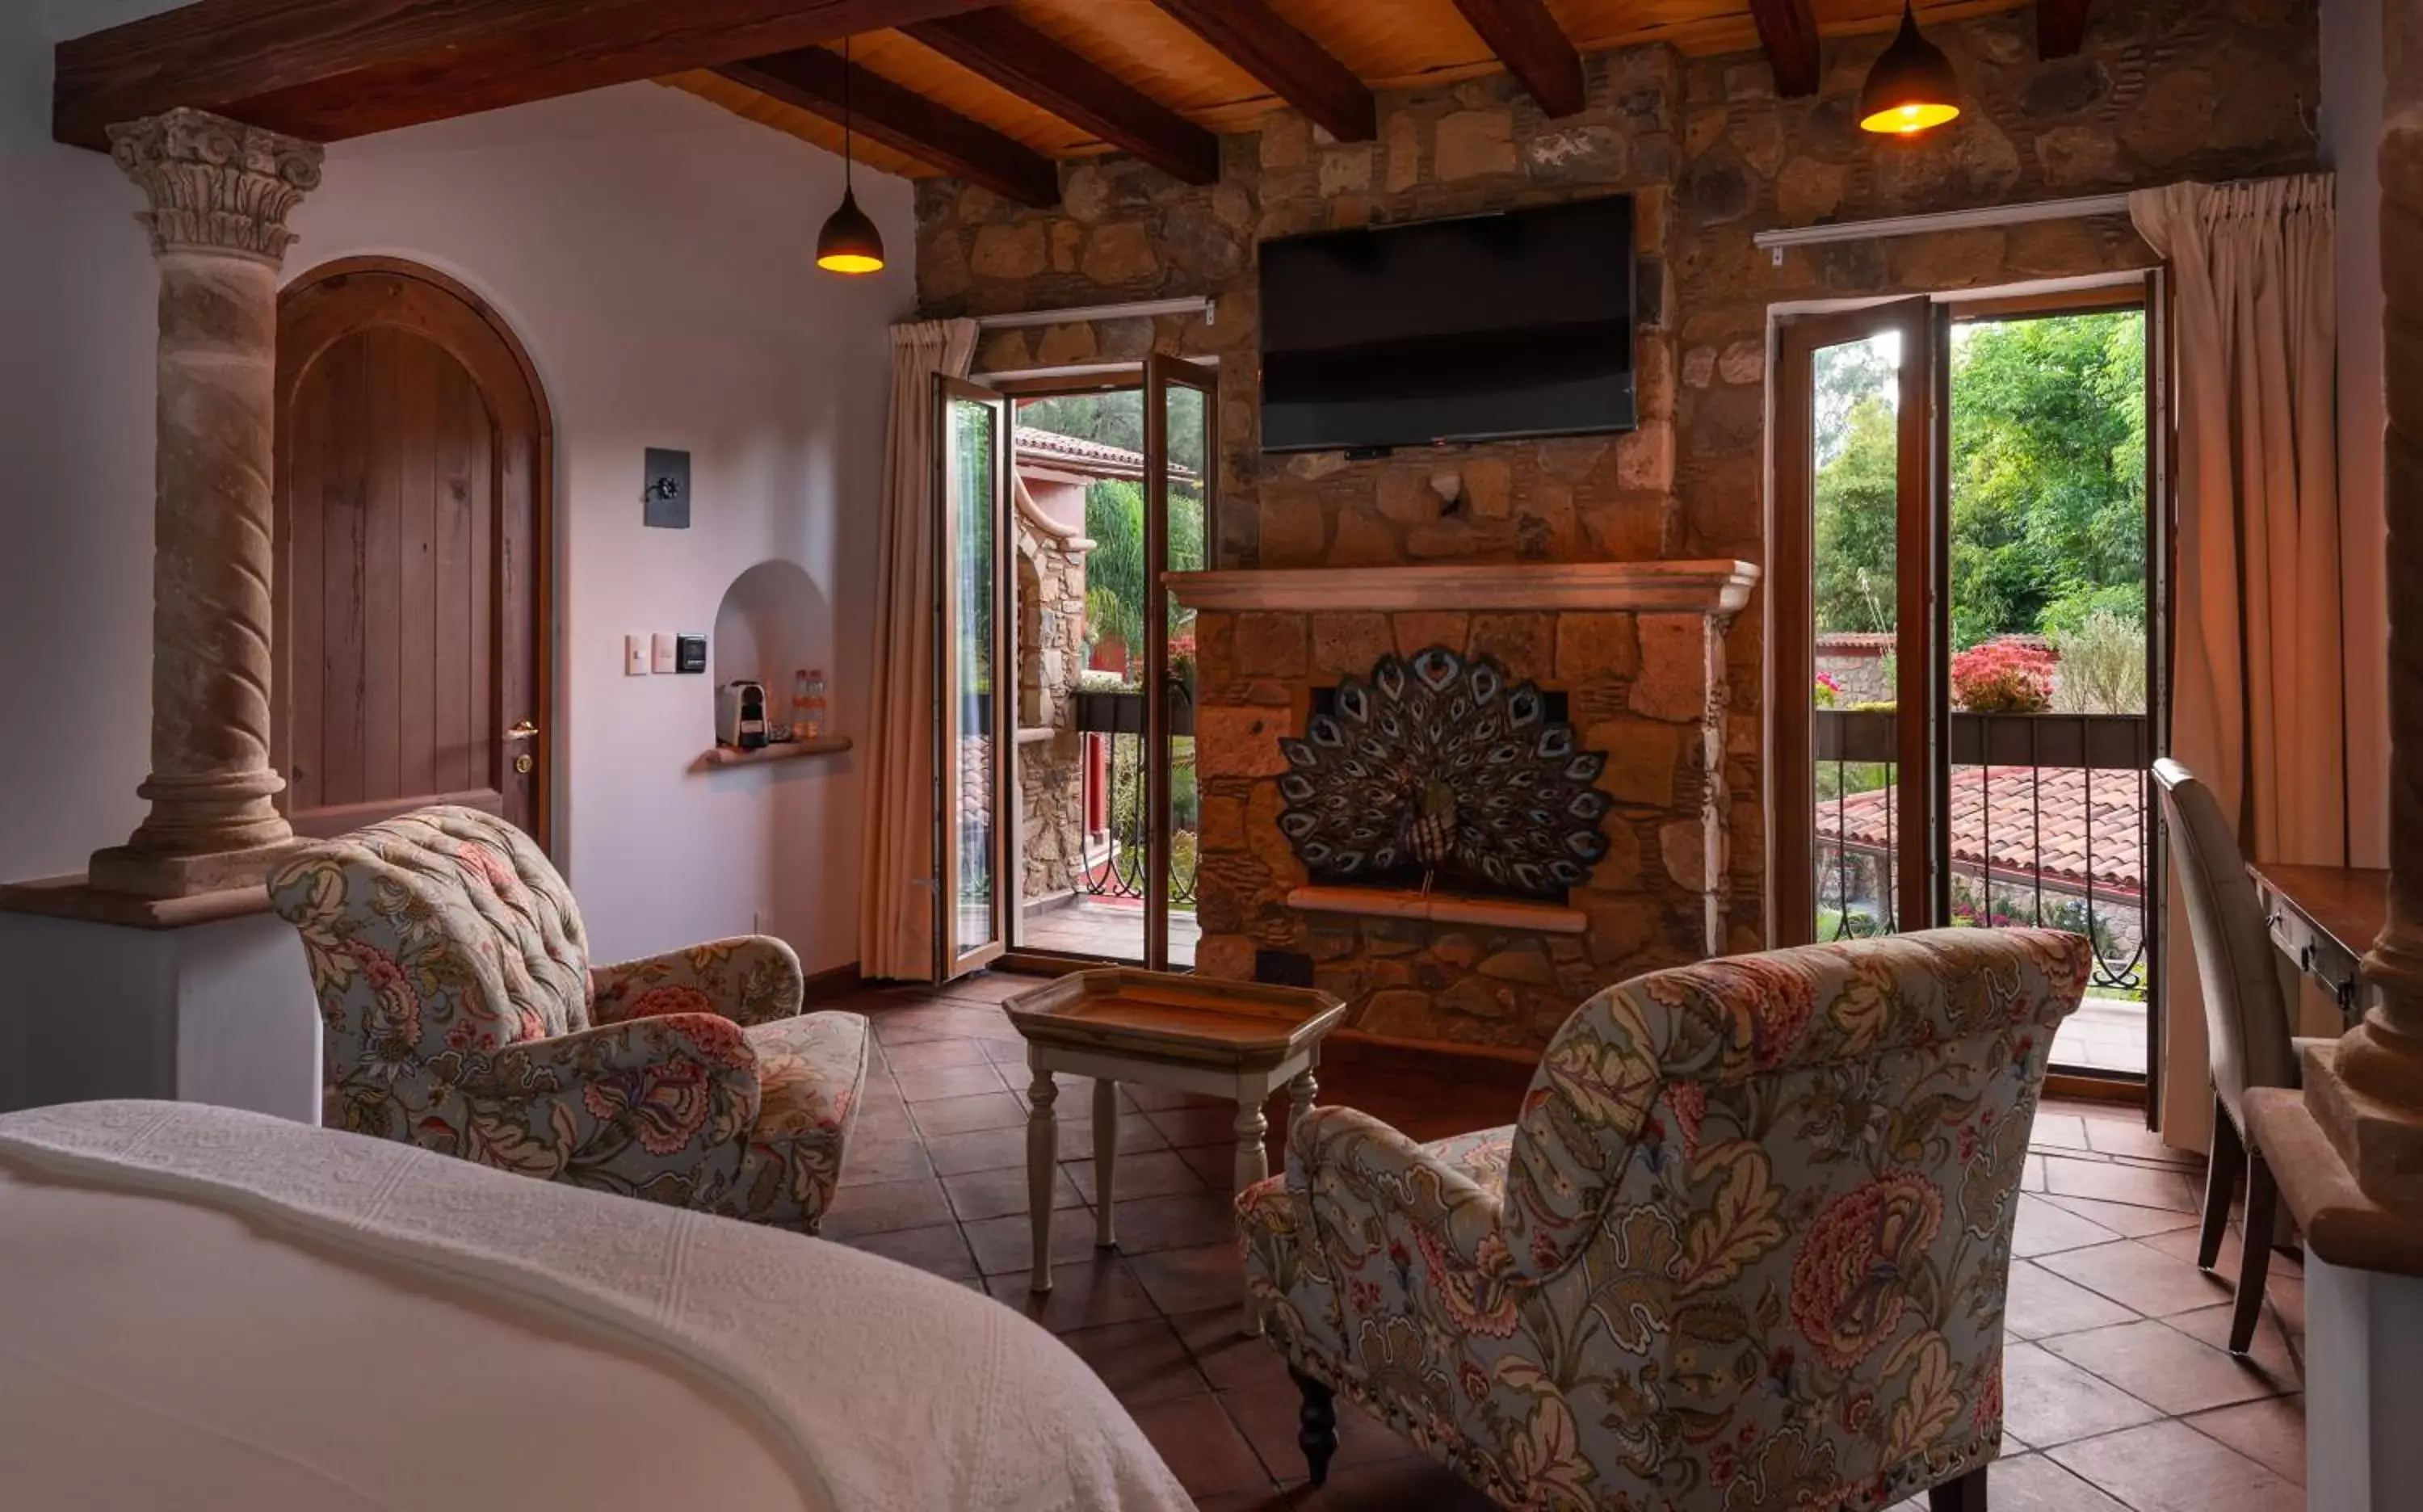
992, 90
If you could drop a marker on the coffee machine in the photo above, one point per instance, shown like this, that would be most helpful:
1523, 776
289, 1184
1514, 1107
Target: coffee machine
740, 715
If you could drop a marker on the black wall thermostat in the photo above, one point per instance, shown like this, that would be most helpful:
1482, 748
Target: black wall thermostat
664, 491
690, 653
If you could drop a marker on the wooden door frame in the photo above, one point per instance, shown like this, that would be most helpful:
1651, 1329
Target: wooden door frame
1791, 594
951, 962
1163, 372
292, 366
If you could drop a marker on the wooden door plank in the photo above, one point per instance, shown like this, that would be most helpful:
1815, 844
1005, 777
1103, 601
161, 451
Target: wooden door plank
483, 735
460, 419
416, 425
306, 496
2061, 28
1788, 30
382, 568
813, 80
1534, 49
1258, 39
1025, 61
517, 629
341, 585
333, 69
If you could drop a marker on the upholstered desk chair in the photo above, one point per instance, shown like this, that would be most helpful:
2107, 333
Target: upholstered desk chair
2246, 1023
462, 1015
1745, 1246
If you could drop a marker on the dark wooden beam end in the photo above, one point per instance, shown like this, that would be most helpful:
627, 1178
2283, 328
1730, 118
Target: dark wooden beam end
1258, 39
2061, 28
1789, 33
1534, 49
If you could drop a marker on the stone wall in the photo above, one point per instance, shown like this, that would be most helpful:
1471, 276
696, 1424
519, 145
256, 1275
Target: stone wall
1051, 751
2164, 90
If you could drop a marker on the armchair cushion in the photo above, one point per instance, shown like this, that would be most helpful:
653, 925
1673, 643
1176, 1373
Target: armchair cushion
751, 979
1748, 1249
809, 1072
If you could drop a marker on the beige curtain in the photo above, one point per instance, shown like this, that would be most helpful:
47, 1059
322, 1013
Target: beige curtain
896, 918
2257, 695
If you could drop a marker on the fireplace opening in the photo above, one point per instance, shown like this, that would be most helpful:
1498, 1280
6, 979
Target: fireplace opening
1438, 772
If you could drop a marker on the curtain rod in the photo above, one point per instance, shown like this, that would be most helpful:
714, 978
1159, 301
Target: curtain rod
1113, 368
1201, 304
1948, 220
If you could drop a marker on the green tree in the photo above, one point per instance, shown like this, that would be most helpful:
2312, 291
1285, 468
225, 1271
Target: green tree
1856, 513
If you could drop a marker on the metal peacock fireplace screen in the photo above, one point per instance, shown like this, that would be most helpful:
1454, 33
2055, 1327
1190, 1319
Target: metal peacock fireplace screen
1438, 770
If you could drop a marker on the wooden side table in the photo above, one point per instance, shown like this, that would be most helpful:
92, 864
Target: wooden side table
1239, 1040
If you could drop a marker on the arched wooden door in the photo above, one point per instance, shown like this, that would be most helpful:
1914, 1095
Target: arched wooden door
413, 454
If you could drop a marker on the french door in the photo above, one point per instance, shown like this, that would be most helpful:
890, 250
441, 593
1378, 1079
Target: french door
974, 725
1969, 614
1180, 534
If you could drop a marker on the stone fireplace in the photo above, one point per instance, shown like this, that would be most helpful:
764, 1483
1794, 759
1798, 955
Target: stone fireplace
1629, 655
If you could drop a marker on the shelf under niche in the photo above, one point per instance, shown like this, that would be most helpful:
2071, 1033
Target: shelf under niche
726, 756
1440, 908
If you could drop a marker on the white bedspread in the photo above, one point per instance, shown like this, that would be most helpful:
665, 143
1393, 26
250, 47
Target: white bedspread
204, 1309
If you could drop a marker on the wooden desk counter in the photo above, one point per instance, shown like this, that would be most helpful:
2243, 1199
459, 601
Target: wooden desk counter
2323, 919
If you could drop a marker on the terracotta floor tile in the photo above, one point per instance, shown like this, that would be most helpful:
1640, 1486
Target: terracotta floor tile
2031, 1483
1230, 1357
938, 1250
2139, 1277
1199, 1218
2134, 1186
2126, 1220
2042, 1229
2169, 1467
1201, 1446
1144, 1173
1140, 1361
2118, 1137
1190, 1280
2040, 1303
1215, 1166
2171, 1371
1007, 1243
1153, 1098
1002, 1191
2268, 1351
1098, 1289
2271, 1432
2046, 1400
1269, 1421
927, 1054
1006, 1054
960, 1115
2287, 1295
1182, 1127
977, 1150
934, 1082
870, 1159
1397, 1486
2057, 1131
880, 1207
1137, 1133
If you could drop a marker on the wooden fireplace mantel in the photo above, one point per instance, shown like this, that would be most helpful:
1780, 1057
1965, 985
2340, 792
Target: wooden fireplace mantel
1713, 587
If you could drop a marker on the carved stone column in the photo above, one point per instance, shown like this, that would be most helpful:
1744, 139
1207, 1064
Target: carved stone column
220, 193
2367, 1095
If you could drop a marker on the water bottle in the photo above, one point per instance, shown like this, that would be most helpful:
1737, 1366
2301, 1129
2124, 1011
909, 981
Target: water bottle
810, 718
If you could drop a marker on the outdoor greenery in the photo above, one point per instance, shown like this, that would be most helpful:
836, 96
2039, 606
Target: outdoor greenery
2047, 523
1115, 568
2103, 666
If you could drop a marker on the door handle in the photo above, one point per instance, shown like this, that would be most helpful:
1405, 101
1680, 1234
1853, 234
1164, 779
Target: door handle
523, 731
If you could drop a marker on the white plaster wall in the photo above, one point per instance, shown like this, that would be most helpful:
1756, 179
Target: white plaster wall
2350, 124
653, 252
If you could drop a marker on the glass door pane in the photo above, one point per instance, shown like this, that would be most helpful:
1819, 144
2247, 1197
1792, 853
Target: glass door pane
1180, 534
1853, 533
973, 609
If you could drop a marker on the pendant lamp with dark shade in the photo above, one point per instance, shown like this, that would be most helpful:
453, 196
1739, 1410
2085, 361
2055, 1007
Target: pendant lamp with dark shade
1911, 87
850, 241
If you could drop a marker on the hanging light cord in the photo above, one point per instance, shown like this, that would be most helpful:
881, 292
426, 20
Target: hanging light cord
846, 184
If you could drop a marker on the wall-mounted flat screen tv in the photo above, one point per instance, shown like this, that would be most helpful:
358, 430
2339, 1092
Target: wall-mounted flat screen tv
1479, 328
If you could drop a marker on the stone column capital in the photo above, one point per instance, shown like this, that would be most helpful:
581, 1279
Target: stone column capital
215, 185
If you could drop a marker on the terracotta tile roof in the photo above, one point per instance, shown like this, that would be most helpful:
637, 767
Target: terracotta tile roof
1072, 453
2076, 821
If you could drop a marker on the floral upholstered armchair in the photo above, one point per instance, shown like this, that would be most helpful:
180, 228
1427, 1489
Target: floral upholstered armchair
462, 1015
1744, 1248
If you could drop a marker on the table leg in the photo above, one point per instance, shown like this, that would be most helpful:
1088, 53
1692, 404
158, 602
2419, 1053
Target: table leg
1301, 1092
1106, 1157
1042, 1157
1253, 1163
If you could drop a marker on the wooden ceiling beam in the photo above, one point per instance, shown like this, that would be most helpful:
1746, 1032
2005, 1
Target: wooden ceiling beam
1015, 56
812, 79
333, 69
1534, 49
2061, 28
1789, 33
1295, 66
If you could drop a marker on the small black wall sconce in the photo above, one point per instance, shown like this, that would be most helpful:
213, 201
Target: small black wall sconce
664, 495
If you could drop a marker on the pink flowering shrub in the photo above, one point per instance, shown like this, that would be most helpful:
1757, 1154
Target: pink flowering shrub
1829, 693
2002, 677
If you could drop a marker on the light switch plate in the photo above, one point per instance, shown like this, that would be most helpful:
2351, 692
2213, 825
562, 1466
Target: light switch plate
689, 652
664, 489
660, 652
635, 656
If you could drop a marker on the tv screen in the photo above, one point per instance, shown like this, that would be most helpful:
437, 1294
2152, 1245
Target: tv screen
1451, 330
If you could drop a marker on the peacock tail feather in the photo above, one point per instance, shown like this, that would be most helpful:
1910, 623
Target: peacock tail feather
1439, 763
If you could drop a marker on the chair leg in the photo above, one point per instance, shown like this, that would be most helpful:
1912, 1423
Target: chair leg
2220, 1180
2254, 1257
1967, 1494
1317, 1432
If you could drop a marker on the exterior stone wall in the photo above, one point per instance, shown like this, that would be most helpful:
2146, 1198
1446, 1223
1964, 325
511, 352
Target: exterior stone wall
1051, 753
2164, 90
